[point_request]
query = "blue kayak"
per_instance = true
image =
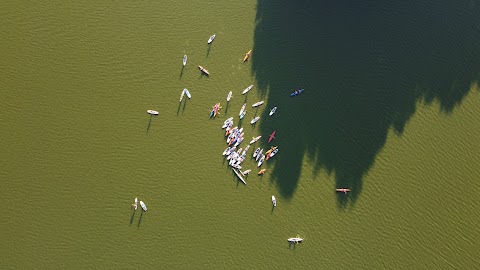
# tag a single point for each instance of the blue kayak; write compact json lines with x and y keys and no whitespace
{"x":297,"y":92}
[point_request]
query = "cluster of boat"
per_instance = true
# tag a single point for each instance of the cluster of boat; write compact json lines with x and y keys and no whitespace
{"x":142,"y":204}
{"x":185,"y":92}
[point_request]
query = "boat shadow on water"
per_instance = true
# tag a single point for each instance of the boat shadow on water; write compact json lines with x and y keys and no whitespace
{"x":149,"y":123}
{"x":181,"y":71}
{"x":140,"y":219}
{"x":362,"y":78}
{"x":132,"y":217}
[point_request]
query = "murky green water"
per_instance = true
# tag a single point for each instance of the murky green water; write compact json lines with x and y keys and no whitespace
{"x":390,"y":110}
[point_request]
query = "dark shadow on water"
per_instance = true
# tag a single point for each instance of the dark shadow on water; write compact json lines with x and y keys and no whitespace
{"x":184,"y":105}
{"x":181,"y":71}
{"x":208,"y":51}
{"x":132,"y":217}
{"x":226,"y":108}
{"x":149,"y":123}
{"x":364,"y":65}
{"x":179,"y":106}
{"x":140,"y":219}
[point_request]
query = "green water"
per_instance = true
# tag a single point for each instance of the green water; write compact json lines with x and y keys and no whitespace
{"x":390,"y":110}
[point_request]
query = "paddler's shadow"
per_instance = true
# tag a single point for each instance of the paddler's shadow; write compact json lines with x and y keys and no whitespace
{"x":226,"y":108}
{"x":178,"y":109}
{"x":140,"y":219}
{"x":184,"y":104}
{"x":273,"y":208}
{"x":149,"y":122}
{"x":132,"y":217}
{"x":181,"y":71}
{"x":291,"y":245}
{"x":208,"y":51}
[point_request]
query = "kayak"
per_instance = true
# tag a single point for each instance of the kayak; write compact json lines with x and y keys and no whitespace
{"x":247,"y":55}
{"x":211,"y":38}
{"x":297,"y":92}
{"x":188,"y":93}
{"x":272,"y":111}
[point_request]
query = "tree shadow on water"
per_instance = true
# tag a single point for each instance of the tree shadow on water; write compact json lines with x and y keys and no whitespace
{"x":364,"y":66}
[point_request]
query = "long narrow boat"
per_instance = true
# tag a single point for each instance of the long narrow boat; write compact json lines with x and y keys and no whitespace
{"x":272,"y":136}
{"x":188,"y":93}
{"x":184,"y":60}
{"x":344,"y":190}
{"x":239,"y":176}
{"x":272,"y":111}
{"x":211,"y":38}
{"x":204,"y":70}
{"x":256,"y":152}
{"x":274,"y":201}
{"x":271,"y":150}
{"x":182,"y":94}
{"x":144,"y":207}
{"x":295,"y":240}
{"x":247,"y":89}
{"x":262,"y":171}
{"x":216,"y":109}
{"x":297,"y":92}
{"x":243,"y":114}
{"x":273,"y":153}
{"x":259,"y":155}
{"x":229,"y":96}
{"x":255,"y":139}
{"x":257,"y":104}
{"x":247,"y":55}
{"x":260,"y":162}
{"x":152,"y":112}
{"x":254,"y":120}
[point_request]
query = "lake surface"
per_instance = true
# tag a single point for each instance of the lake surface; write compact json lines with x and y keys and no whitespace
{"x":390,"y":110}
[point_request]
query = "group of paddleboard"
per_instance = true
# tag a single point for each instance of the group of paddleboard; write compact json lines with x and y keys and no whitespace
{"x":142,"y":204}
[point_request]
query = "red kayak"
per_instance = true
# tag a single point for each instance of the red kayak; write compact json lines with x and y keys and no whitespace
{"x":272,"y":136}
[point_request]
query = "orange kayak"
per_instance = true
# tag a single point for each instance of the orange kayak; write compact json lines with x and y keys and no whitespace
{"x":262,"y":171}
{"x":247,"y":55}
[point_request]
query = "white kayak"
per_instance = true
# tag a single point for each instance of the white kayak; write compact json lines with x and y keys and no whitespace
{"x":229,"y":96}
{"x":135,"y":204}
{"x":247,"y":89}
{"x":184,"y":60}
{"x":255,"y":139}
{"x":243,"y":114}
{"x":211,"y":38}
{"x":259,"y":155}
{"x":254,"y":120}
{"x":152,"y":112}
{"x":272,"y":111}
{"x":274,"y":201}
{"x":187,"y":93}
{"x":246,"y":172}
{"x":182,"y":94}
{"x":242,"y":109}
{"x":256,"y":152}
{"x":144,"y":207}
{"x":260,"y":162}
{"x":257,"y":104}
